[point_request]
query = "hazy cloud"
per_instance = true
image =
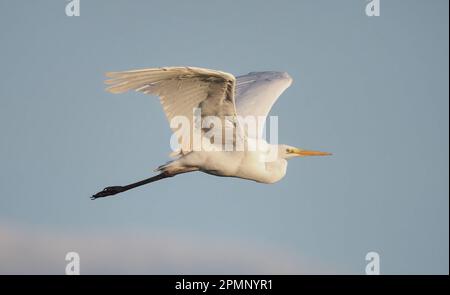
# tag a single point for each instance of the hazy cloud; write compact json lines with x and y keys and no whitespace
{"x":26,"y":251}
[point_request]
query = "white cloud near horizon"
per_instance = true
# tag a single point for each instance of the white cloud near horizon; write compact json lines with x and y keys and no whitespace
{"x":31,"y":251}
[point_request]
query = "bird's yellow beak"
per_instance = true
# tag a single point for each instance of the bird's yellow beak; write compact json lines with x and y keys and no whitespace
{"x":306,"y":153}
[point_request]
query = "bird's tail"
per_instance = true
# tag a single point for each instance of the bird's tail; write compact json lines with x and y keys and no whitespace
{"x":173,"y":168}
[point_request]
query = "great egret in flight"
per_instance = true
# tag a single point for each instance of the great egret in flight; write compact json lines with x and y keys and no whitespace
{"x":220,"y":94}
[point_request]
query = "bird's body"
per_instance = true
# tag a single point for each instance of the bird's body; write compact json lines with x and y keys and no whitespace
{"x":227,"y":100}
{"x":241,"y":164}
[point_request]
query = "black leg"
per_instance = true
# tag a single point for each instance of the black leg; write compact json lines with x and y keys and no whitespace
{"x":112,"y":190}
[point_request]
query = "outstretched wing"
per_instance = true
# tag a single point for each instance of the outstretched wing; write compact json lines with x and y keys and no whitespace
{"x":181,"y":89}
{"x":256,"y":93}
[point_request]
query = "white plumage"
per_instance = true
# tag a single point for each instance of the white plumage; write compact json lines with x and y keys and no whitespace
{"x":218,"y":94}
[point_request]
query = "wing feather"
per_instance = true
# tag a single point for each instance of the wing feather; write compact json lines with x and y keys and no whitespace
{"x":256,"y":93}
{"x":181,"y":89}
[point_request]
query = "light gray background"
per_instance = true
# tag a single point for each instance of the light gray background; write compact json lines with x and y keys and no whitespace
{"x":374,"y":91}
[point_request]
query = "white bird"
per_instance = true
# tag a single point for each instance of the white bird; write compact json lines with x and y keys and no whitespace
{"x":219,"y":94}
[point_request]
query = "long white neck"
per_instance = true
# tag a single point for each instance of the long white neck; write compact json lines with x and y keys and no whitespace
{"x":276,"y":170}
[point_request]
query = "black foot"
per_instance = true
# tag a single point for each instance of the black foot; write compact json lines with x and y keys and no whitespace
{"x":108,"y":191}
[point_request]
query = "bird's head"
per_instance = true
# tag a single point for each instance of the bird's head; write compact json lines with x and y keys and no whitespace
{"x":287,"y":152}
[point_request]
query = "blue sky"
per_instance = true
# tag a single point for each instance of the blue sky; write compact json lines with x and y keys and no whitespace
{"x":374,"y":91}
